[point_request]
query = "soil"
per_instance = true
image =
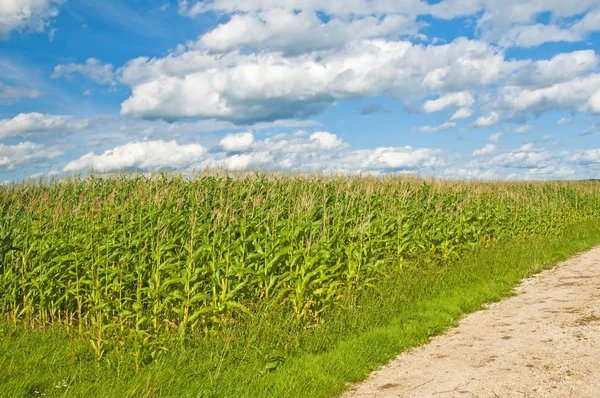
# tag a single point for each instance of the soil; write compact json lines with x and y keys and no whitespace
{"x":542,"y":342}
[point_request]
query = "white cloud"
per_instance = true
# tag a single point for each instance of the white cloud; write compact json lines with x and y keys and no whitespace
{"x":511,"y":22}
{"x":104,"y":130}
{"x":593,"y":129}
{"x":594,"y":103}
{"x":524,"y":129}
{"x":29,"y":123}
{"x":92,"y":68}
{"x":296,"y":32}
{"x":247,"y":88}
{"x":534,"y":35}
{"x":495,"y":137}
{"x":506,"y":11}
{"x":589,"y":23}
{"x":435,"y":129}
{"x":12,"y":94}
{"x":483,"y":65}
{"x":522,"y":158}
{"x":239,"y":161}
{"x":298,"y":151}
{"x":454,"y":100}
{"x":560,"y":68}
{"x":578,"y":94}
{"x":332,"y":7}
{"x":392,"y":159}
{"x":143,"y":155}
{"x":288,"y":73}
{"x":471,"y":174}
{"x":326,"y":140}
{"x":564,"y":120}
{"x":462,"y":113}
{"x":526,"y":147}
{"x":586,"y":157}
{"x":26,"y":15}
{"x":486,"y":150}
{"x":524,"y":163}
{"x":237,"y":142}
{"x":510,"y":11}
{"x":23,"y":153}
{"x":486,"y":121}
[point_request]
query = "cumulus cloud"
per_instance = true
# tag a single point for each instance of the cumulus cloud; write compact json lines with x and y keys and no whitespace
{"x":506,"y":11}
{"x":12,"y":94}
{"x":593,"y":129}
{"x":564,"y":120}
{"x":140,"y":155}
{"x":525,"y":157}
{"x":525,"y":163}
{"x":486,"y":121}
{"x":238,"y":161}
{"x":92,"y":68}
{"x":237,"y":142}
{"x":393,"y":159}
{"x":593,"y":104}
{"x":486,"y":150}
{"x":287,"y":76}
{"x":513,"y":22}
{"x":560,"y":68}
{"x":462,"y":113}
{"x":26,"y":15}
{"x":524,"y":129}
{"x":454,"y":100}
{"x":588,"y":24}
{"x":536,"y":34}
{"x":586,"y":157}
{"x":435,"y":129}
{"x":578,"y":94}
{"x":326,"y":140}
{"x":334,"y":7}
{"x":296,"y":151}
{"x":247,"y":88}
{"x":12,"y":157}
{"x":494,"y":137}
{"x":296,"y":32}
{"x":509,"y":22}
{"x":26,"y":124}
{"x":566,"y":82}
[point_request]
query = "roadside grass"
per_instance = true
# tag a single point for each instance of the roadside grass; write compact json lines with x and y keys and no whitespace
{"x":270,"y":355}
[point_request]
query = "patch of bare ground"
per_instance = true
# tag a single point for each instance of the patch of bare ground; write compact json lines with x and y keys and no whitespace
{"x":542,"y":342}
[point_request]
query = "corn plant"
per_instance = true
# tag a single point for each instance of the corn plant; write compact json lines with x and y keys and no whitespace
{"x":138,"y":261}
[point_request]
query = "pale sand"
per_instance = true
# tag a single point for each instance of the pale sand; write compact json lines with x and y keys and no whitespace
{"x":543,"y":342}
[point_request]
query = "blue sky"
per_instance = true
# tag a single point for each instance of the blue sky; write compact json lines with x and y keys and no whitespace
{"x":486,"y":89}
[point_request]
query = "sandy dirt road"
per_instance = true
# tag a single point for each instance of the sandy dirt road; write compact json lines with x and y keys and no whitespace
{"x":543,"y":342}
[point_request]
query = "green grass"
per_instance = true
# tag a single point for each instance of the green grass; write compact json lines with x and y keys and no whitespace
{"x":418,"y":299}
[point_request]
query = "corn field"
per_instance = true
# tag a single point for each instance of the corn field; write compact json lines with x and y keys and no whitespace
{"x":136,"y":260}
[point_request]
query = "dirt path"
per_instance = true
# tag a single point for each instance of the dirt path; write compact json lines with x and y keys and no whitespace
{"x":544,"y":342}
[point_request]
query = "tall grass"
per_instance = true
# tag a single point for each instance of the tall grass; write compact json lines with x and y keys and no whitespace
{"x":140,"y":263}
